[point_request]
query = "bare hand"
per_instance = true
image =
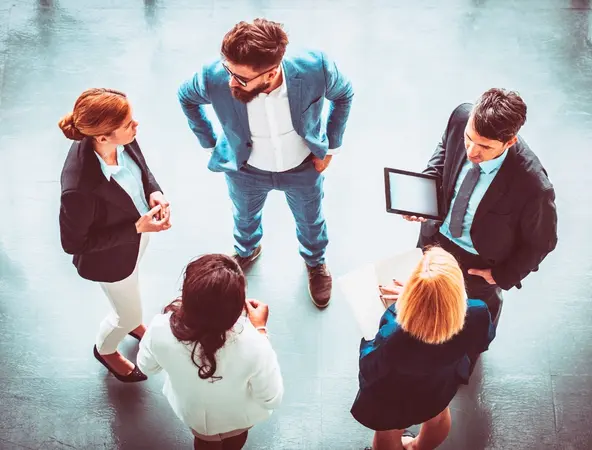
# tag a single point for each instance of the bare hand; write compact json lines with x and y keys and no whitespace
{"x":391,"y":293}
{"x":157,"y":198}
{"x":149,"y":223}
{"x":414,"y":219}
{"x":483,"y":273}
{"x":257,"y":312}
{"x":321,"y":164}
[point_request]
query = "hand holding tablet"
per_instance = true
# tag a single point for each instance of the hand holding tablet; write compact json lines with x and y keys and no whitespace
{"x":414,"y":218}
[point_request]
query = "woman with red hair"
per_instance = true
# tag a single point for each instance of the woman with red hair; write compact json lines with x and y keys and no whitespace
{"x":109,"y":203}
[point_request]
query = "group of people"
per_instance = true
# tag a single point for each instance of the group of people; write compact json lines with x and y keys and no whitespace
{"x":222,"y":374}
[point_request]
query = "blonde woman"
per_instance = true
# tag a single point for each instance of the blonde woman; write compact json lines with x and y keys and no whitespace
{"x":412,"y":369}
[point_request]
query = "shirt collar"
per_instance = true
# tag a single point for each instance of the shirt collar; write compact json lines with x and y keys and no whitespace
{"x":494,"y":164}
{"x":281,"y":90}
{"x":108,"y":170}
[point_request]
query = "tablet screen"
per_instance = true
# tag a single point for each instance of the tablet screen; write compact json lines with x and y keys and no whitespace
{"x":412,"y":193}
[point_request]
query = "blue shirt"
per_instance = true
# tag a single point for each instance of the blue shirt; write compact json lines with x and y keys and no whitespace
{"x":489,"y":169}
{"x":129,"y":176}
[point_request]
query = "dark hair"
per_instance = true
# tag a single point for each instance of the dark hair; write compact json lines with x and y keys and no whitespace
{"x":212,"y":299}
{"x":499,"y":114}
{"x":260,"y":45}
{"x":97,"y":111}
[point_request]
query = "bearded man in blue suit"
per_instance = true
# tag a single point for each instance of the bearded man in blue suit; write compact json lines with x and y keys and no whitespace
{"x":274,"y":136}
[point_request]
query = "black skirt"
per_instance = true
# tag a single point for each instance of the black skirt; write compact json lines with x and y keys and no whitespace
{"x":401,"y":404}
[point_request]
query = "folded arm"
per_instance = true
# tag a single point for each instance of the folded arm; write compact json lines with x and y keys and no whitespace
{"x":77,"y":212}
{"x":538,"y":237}
{"x":340,"y":92}
{"x":193,"y":95}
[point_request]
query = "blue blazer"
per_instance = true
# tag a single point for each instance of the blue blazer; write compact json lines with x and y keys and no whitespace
{"x":404,"y":381}
{"x":310,"y":77}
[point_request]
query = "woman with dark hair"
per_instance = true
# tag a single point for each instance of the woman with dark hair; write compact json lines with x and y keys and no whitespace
{"x":222,"y":375}
{"x":110,"y":202}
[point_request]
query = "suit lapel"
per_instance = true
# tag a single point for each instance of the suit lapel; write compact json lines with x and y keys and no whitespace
{"x":110,"y":191}
{"x":113,"y":193}
{"x":240,"y":109}
{"x":498,"y":186}
{"x":132,"y":150}
{"x":294,"y":87}
{"x":133,"y":154}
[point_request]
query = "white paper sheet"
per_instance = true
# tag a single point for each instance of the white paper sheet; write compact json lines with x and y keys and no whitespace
{"x":360,"y":287}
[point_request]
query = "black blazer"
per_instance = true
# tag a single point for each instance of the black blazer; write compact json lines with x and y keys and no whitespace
{"x":404,"y":381}
{"x":515,"y":225}
{"x":97,"y":217}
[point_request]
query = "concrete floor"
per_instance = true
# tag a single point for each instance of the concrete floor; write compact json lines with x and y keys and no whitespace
{"x":411,"y":63}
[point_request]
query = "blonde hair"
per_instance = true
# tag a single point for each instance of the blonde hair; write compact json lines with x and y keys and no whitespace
{"x":433,"y":304}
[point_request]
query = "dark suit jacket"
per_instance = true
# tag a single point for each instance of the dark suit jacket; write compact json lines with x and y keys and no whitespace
{"x":97,"y":217}
{"x":404,"y":381}
{"x":515,"y":225}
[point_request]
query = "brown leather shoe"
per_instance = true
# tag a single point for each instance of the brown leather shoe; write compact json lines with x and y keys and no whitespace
{"x":320,"y":284}
{"x":247,"y":261}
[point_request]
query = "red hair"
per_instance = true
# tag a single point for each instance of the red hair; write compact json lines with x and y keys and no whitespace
{"x":97,"y":112}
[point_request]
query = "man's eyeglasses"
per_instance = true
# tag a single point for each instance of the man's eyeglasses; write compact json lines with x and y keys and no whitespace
{"x":242,"y":81}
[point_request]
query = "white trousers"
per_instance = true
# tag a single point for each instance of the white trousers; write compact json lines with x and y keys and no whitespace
{"x":126,"y":305}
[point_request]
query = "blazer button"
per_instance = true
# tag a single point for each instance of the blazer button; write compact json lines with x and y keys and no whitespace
{"x":249,"y":144}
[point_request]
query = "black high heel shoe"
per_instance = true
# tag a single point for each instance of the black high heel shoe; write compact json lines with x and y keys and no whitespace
{"x":134,"y":376}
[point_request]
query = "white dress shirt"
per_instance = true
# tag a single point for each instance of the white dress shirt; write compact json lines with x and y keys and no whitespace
{"x":251,"y":384}
{"x":129,"y":176}
{"x":276,"y":145}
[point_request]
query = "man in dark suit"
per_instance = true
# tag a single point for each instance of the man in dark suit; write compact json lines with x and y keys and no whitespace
{"x":499,"y":205}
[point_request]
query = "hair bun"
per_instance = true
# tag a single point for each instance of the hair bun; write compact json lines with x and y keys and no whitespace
{"x":69,"y":129}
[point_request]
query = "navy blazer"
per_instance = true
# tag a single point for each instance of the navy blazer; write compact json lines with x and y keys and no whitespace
{"x":310,"y":77}
{"x":404,"y":380}
{"x":97,"y":217}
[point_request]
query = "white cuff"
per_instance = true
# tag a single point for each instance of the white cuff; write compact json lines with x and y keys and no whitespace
{"x":263,"y":329}
{"x":209,"y":150}
{"x":334,"y":151}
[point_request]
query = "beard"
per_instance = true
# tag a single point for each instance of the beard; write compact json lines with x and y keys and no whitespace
{"x":246,"y":96}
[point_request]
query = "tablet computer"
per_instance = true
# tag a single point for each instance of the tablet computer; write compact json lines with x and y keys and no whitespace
{"x":413,"y":194}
